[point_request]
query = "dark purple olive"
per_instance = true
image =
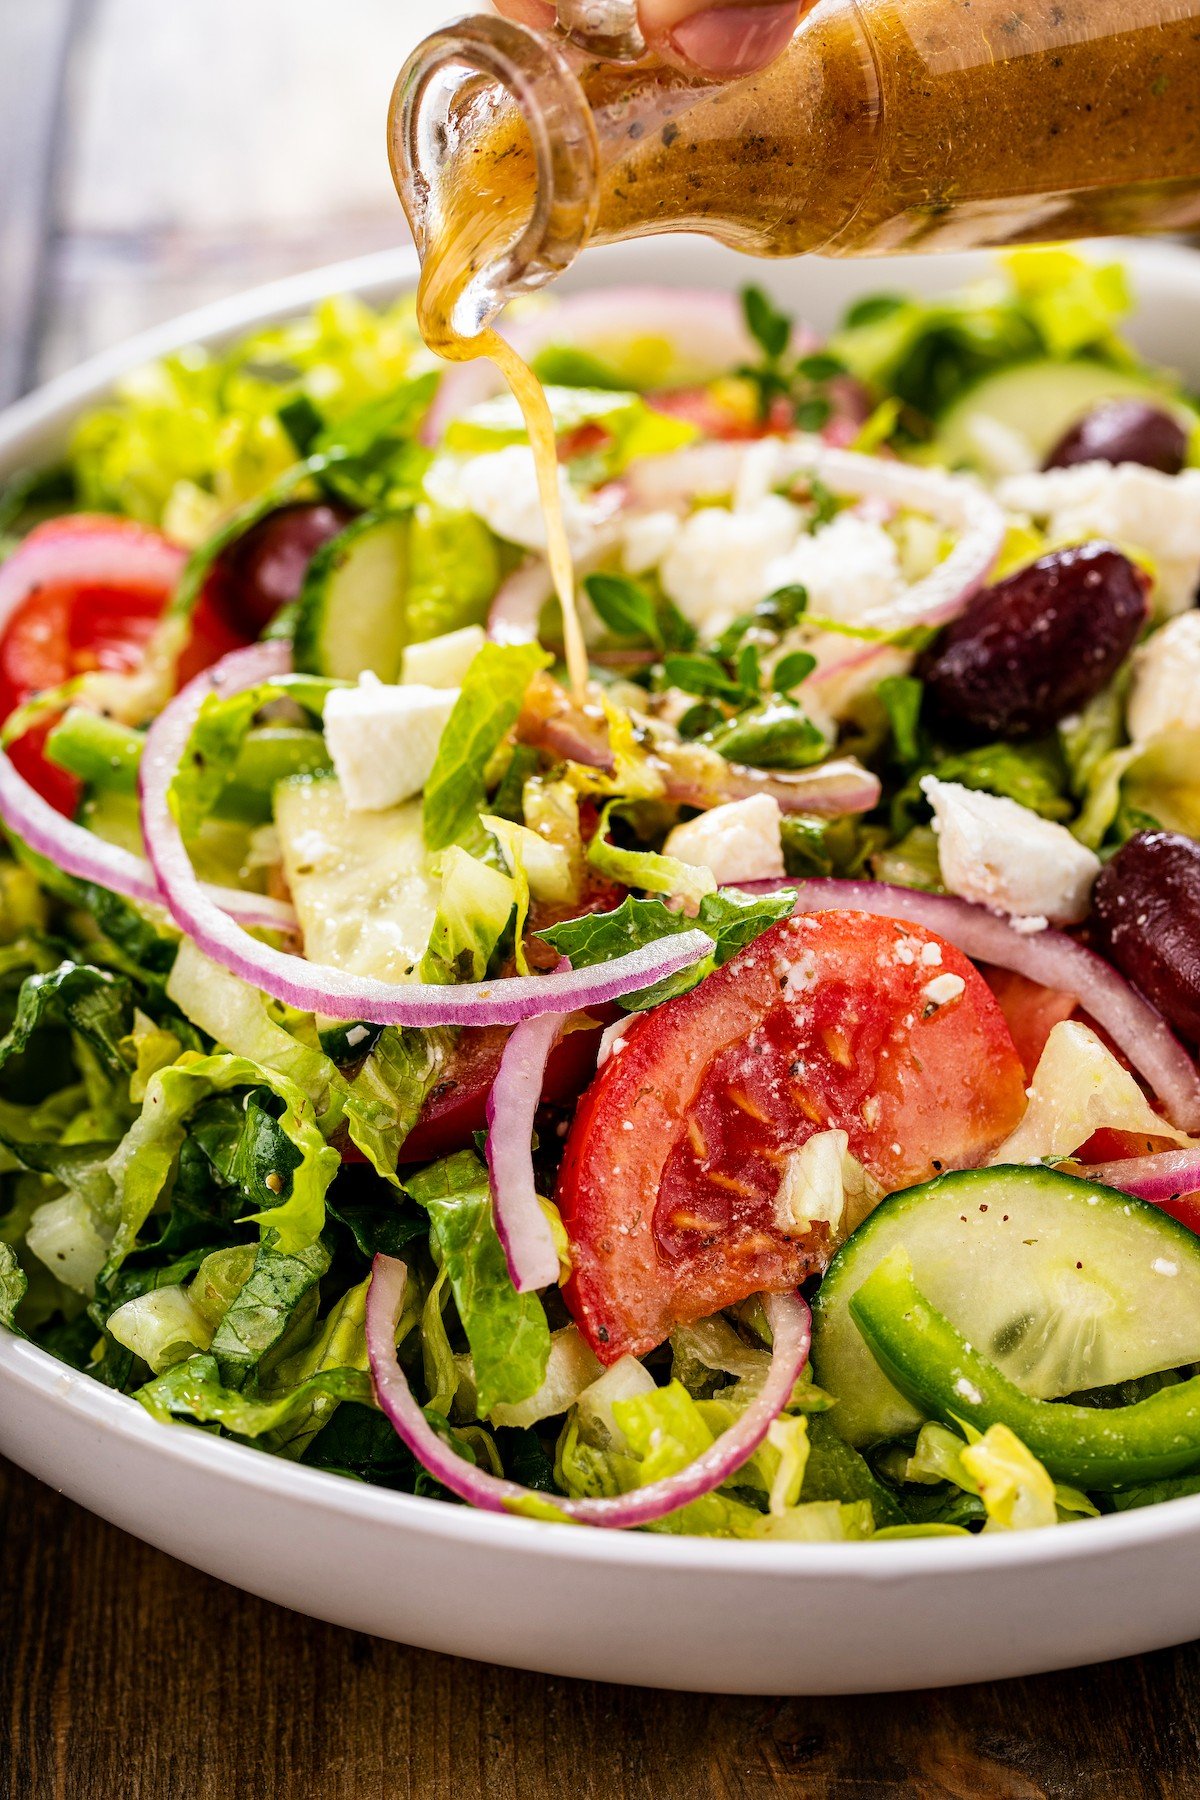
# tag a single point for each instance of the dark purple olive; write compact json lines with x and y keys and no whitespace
{"x":1146,"y":915}
{"x":264,"y":569}
{"x":1123,"y":431}
{"x":1038,"y":645}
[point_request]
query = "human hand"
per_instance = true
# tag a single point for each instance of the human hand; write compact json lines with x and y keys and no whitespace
{"x":723,"y":41}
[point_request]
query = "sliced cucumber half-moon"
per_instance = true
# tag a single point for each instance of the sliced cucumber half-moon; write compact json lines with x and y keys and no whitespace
{"x":1063,"y":1284}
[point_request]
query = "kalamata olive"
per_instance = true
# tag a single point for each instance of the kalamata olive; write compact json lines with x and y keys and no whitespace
{"x":1123,"y":431}
{"x":264,"y":569}
{"x":1146,"y":915}
{"x":1038,"y":645}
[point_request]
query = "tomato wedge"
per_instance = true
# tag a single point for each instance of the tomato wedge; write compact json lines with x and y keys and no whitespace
{"x":456,"y":1107}
{"x":98,"y":587}
{"x":678,"y":1149}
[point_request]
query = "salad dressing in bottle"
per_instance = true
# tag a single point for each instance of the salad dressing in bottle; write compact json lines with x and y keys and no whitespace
{"x":887,"y":125}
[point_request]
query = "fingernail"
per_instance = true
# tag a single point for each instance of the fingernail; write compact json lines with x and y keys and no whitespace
{"x":734,"y":40}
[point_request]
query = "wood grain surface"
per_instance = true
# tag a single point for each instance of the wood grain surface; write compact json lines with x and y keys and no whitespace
{"x":155,"y":153}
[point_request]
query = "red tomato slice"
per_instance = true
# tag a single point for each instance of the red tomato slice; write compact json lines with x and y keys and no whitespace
{"x":679,"y":1146}
{"x":1032,"y":1011}
{"x":66,"y":628}
{"x":1186,"y":1209}
{"x":457,"y":1104}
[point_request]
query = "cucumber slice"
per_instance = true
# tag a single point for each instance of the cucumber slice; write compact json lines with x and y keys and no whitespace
{"x":360,"y":882}
{"x":352,"y":614}
{"x":1039,"y":401}
{"x":1063,"y":1284}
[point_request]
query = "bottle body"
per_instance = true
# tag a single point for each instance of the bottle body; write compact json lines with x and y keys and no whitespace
{"x":888,"y":125}
{"x":901,"y":125}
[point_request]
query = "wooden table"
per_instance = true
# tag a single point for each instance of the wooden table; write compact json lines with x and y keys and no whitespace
{"x":154,"y":153}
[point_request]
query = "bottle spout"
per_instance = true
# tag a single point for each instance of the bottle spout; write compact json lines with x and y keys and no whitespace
{"x":495,"y":158}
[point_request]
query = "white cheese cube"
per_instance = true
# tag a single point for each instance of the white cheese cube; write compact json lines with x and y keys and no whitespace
{"x":1166,"y":681}
{"x":740,"y":841}
{"x":441,"y":662}
{"x":383,"y":739}
{"x":999,"y":854}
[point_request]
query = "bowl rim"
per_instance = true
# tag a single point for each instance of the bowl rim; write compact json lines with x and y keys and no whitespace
{"x":66,"y":1391}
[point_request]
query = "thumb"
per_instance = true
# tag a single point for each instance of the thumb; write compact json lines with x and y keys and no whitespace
{"x":725,"y":41}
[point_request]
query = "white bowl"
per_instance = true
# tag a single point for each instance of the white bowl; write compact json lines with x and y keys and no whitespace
{"x":669,"y":1612}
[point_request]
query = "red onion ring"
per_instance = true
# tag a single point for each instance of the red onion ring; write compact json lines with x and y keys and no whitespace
{"x":512,"y":1104}
{"x":100,"y":552}
{"x":1049,"y":957}
{"x":1167,"y":1175}
{"x":317,"y":987}
{"x":714,"y":468}
{"x":831,"y":789}
{"x":791,"y":1327}
{"x":517,"y":607}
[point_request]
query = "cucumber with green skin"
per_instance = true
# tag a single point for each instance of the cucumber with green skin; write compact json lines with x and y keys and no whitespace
{"x":1040,"y":400}
{"x":352,"y":615}
{"x":1092,"y":1447}
{"x":1062,"y":1284}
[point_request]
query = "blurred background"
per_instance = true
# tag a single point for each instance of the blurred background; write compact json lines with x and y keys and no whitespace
{"x":158,"y":153}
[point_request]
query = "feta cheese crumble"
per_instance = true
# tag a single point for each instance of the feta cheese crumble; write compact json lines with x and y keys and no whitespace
{"x":1001,"y":855}
{"x":501,"y":489}
{"x":739,"y":841}
{"x":383,"y":739}
{"x":1127,"y":503}
{"x":851,"y":568}
{"x":1166,"y":681}
{"x":717,"y":567}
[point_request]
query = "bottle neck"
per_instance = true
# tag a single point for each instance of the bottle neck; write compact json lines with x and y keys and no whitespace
{"x":511,"y":151}
{"x":496,"y":161}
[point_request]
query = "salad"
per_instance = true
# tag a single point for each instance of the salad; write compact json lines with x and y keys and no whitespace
{"x":755,"y":1096}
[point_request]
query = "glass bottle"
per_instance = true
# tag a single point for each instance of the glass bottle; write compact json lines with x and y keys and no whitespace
{"x":887,"y":125}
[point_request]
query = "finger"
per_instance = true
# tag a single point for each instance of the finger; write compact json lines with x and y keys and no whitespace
{"x":720,"y":41}
{"x":538,"y":14}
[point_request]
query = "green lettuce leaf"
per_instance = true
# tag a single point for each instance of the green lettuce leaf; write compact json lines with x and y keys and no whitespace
{"x":339,"y":1344}
{"x":649,"y":870}
{"x":278,"y":1304}
{"x":473,"y":913}
{"x":143,"y":1163}
{"x":188,"y":440}
{"x":13,"y":1285}
{"x":507,"y":1332}
{"x":219,"y":735}
{"x":484,"y":713}
{"x":194,"y":1390}
{"x":384,"y":1100}
{"x":731,"y":919}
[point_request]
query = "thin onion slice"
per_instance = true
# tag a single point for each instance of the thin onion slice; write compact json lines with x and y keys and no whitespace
{"x":1049,"y":957}
{"x":318,"y":987}
{"x":693,"y":774}
{"x":517,"y":607}
{"x":521,"y":1225}
{"x":1168,"y":1175}
{"x":957,"y":503}
{"x":100,"y":552}
{"x":791,"y":1328}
